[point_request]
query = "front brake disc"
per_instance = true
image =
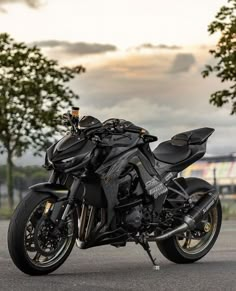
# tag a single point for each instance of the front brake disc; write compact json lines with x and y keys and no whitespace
{"x":46,"y":243}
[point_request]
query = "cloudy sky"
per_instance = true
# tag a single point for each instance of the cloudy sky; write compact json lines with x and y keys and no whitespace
{"x":143,"y":58}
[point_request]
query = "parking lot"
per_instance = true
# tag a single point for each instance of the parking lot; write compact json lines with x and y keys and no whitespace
{"x":109,"y":268}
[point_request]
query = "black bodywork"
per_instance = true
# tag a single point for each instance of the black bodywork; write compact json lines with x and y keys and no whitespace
{"x":183,"y":149}
{"x":99,"y":163}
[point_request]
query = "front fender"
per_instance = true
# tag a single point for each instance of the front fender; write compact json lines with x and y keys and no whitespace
{"x":56,"y":190}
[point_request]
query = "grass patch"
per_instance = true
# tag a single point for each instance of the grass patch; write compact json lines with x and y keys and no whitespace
{"x":5,"y":213}
{"x":229,"y":209}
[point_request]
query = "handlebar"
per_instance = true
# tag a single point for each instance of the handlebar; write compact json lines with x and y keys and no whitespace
{"x":111,"y":126}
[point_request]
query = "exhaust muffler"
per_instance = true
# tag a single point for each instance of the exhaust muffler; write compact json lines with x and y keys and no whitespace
{"x":195,"y":215}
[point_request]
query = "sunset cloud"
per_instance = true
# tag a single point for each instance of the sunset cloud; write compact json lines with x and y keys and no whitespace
{"x":158,"y":88}
{"x":143,"y":62}
{"x":182,"y":63}
{"x":30,"y":3}
{"x":79,"y":48}
{"x":159,"y":46}
{"x":140,"y":88}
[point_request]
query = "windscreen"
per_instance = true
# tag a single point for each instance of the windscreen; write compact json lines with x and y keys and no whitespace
{"x":89,"y":121}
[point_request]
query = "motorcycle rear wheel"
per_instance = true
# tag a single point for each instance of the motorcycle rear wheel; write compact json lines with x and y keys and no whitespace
{"x":27,"y":225}
{"x":185,"y":248}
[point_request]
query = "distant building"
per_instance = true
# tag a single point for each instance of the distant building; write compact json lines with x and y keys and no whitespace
{"x":217,"y":169}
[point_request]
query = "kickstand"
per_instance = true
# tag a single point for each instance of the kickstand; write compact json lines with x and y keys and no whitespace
{"x":142,"y":240}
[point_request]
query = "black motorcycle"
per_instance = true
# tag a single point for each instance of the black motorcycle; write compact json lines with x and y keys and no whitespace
{"x":108,"y":187}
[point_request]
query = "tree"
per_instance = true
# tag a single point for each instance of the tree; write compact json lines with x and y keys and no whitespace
{"x":33,"y":93}
{"x":225,"y":54}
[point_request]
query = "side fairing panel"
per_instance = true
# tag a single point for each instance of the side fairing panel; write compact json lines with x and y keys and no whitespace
{"x":109,"y":174}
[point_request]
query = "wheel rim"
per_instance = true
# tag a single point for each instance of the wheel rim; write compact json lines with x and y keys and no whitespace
{"x":31,"y":248}
{"x":191,"y":243}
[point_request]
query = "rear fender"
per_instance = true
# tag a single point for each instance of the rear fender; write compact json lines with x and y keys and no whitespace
{"x":196,"y":184}
{"x":191,"y":185}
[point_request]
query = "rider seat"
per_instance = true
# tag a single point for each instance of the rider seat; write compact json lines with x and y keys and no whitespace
{"x":178,"y":148}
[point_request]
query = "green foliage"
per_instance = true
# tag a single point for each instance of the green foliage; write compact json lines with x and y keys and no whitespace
{"x":229,"y":209}
{"x":225,"y":54}
{"x":32,"y":95}
{"x":25,"y":177}
{"x":5,"y":213}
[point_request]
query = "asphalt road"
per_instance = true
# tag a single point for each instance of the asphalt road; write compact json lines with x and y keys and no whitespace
{"x":109,"y":268}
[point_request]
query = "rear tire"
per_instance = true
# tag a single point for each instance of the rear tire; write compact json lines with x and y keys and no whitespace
{"x":173,"y":251}
{"x":17,"y":236}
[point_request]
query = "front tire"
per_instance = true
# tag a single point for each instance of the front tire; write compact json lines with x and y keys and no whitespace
{"x":22,"y":244}
{"x":179,"y":249}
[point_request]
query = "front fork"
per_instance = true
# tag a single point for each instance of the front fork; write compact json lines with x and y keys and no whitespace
{"x":63,"y":206}
{"x":71,"y":202}
{"x":86,"y":214}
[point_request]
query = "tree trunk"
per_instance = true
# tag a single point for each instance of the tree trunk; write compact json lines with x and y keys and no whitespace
{"x":0,"y":195}
{"x":20,"y":195}
{"x":10,"y":180}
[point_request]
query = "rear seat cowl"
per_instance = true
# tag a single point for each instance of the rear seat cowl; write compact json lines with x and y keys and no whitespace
{"x":196,"y":136}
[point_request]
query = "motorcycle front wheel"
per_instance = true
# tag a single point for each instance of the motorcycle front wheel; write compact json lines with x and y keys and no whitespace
{"x":34,"y":245}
